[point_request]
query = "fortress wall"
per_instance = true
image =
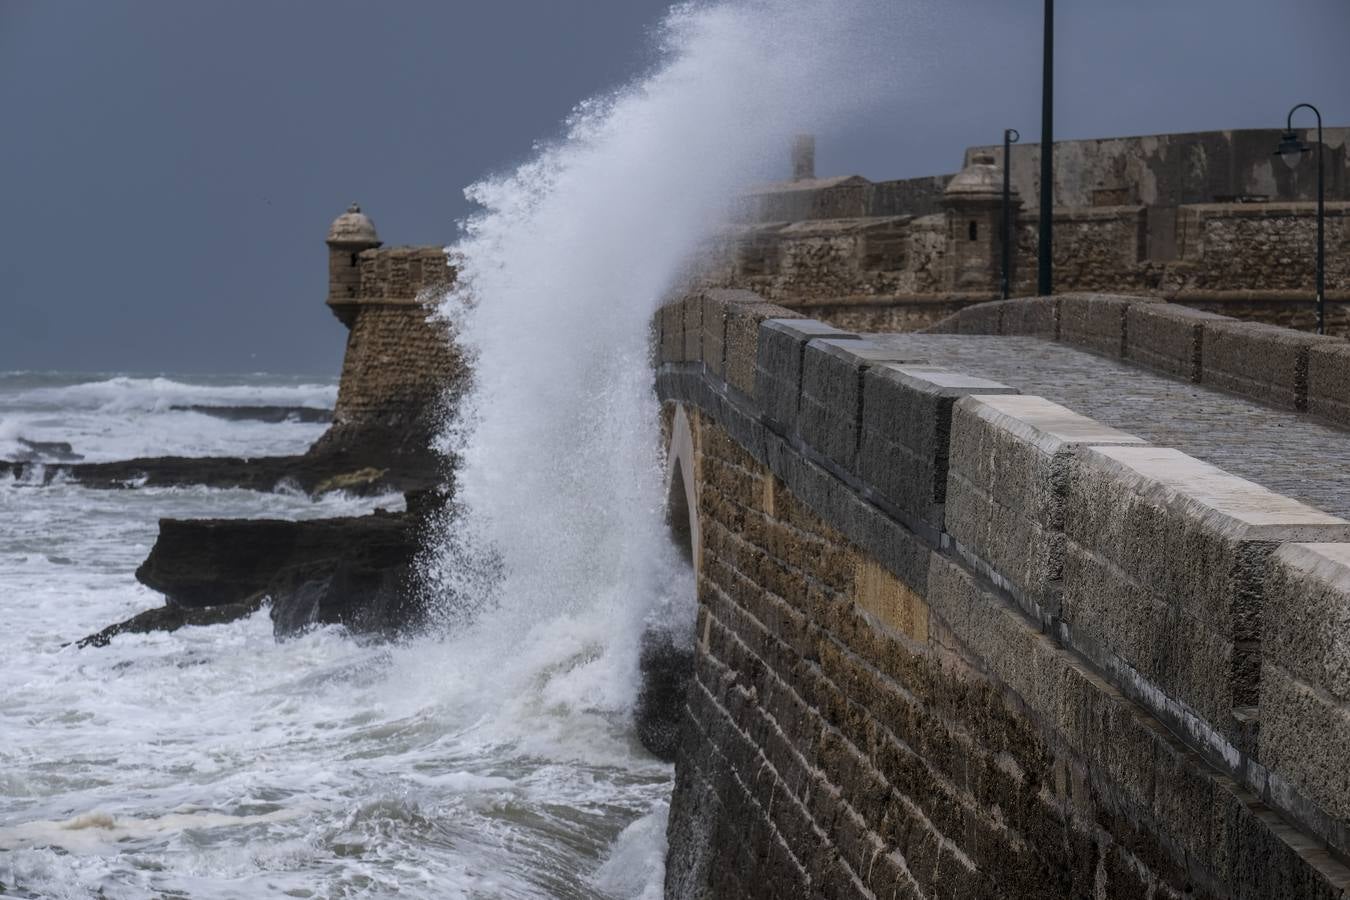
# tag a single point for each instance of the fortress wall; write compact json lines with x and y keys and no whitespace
{"x":1251,"y":261}
{"x":400,"y":362}
{"x":948,"y":635}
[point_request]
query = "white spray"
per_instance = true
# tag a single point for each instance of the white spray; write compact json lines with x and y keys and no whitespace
{"x":559,"y":278}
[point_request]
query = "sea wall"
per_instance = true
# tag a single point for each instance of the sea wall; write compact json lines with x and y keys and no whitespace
{"x":957,"y":641}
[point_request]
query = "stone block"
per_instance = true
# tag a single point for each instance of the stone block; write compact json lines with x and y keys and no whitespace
{"x":1329,"y":381}
{"x":1096,"y":321}
{"x":1306,"y":615}
{"x":1164,"y":571}
{"x":672,"y":332}
{"x":778,"y":365}
{"x":714,"y":323}
{"x":906,"y":434}
{"x":1259,"y":361}
{"x":831,"y":393}
{"x":1032,"y":317}
{"x":741,"y":350}
{"x":1166,"y":337}
{"x":1007,"y":479}
{"x":693,"y":328}
{"x":1305,"y":740}
{"x":982,"y":318}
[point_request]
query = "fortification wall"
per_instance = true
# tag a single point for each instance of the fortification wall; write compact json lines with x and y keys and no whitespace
{"x":958,"y":641}
{"x":1253,"y":261}
{"x":400,"y":360}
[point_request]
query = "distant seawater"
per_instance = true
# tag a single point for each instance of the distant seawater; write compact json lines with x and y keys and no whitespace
{"x":216,"y":762}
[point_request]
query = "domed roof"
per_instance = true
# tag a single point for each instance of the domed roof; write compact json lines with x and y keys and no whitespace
{"x":980,"y":178}
{"x":353,"y":227}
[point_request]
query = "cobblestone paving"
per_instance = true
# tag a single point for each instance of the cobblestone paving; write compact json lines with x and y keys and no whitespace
{"x":1284,"y":451}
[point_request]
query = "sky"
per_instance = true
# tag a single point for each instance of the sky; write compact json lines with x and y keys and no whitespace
{"x":168,"y":169}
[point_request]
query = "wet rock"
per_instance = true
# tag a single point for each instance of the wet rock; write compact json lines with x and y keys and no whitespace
{"x":272,"y":414}
{"x":172,"y":618}
{"x":356,"y":571}
{"x":363,"y":468}
{"x":49,"y":451}
{"x":665,"y":666}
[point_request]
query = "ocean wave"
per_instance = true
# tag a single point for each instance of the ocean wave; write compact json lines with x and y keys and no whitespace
{"x":127,"y":393}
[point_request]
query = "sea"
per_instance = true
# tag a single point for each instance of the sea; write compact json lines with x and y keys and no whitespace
{"x":492,"y":756}
{"x":220,"y":762}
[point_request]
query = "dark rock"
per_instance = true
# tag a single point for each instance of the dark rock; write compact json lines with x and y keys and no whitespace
{"x":48,"y":451}
{"x":172,"y":618}
{"x":356,"y":571}
{"x":364,"y":467}
{"x":272,"y":414}
{"x":665,"y":667}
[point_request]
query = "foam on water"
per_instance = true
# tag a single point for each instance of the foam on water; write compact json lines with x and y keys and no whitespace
{"x":112,"y":417}
{"x":496,"y":759}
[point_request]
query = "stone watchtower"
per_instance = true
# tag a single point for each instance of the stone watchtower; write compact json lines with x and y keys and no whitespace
{"x":973,"y":201}
{"x":349,"y":234}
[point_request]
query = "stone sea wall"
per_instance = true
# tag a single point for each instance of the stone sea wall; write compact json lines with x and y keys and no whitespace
{"x":956,"y":641}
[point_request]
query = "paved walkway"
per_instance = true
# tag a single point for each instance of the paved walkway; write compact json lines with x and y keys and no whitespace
{"x":1284,"y":451}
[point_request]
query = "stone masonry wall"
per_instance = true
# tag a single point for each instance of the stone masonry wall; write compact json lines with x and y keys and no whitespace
{"x":954,"y":641}
{"x":400,"y":361}
{"x":1252,"y":260}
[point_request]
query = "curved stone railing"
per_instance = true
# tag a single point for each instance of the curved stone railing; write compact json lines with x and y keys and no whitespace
{"x":1289,"y":369}
{"x":959,"y":641}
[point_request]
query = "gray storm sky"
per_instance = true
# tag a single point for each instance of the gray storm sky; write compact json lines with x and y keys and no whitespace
{"x":168,"y":169}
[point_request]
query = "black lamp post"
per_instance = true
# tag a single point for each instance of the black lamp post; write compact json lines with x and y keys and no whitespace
{"x":1291,"y":149}
{"x":1010,"y":137}
{"x":1044,"y":277}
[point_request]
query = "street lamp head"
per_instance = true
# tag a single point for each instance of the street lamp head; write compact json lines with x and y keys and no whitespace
{"x":1291,"y":149}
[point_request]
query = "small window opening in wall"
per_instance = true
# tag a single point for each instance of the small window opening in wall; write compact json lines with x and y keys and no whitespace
{"x":974,"y":230}
{"x":355,"y":260}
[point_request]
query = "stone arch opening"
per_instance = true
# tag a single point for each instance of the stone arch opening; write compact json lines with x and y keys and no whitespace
{"x":681,"y":486}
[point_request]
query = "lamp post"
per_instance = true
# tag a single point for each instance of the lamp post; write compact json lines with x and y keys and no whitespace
{"x":1291,"y":149}
{"x":1010,"y":137}
{"x":1044,"y":278}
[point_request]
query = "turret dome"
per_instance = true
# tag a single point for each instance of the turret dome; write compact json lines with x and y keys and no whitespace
{"x":353,"y":228}
{"x":980,"y":178}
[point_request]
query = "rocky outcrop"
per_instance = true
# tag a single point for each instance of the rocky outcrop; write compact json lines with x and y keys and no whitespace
{"x":172,"y":618}
{"x":372,"y":461}
{"x":272,"y":414}
{"x":355,"y":571}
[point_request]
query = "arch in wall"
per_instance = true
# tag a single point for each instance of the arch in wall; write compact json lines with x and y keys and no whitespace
{"x":681,"y":488}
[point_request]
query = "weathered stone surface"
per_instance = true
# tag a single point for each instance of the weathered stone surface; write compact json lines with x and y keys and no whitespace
{"x":693,"y":328}
{"x":1262,"y":362}
{"x":741,"y":352}
{"x":831,"y":394}
{"x":355,"y":571}
{"x":672,"y":332}
{"x":1306,"y":615}
{"x":906,"y":433}
{"x":778,"y":365}
{"x":1305,"y":738}
{"x":1329,"y":381}
{"x":1166,"y":558}
{"x":1032,"y":316}
{"x":1166,"y":337}
{"x":1096,"y":321}
{"x":665,"y":667}
{"x":1006,"y":485}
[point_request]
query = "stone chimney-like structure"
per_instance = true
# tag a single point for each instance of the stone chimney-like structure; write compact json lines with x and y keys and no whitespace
{"x":349,"y":234}
{"x":804,"y":157}
{"x":973,"y":201}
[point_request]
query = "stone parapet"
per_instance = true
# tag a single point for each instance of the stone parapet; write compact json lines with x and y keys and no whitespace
{"x":954,"y":639}
{"x":1289,"y":369}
